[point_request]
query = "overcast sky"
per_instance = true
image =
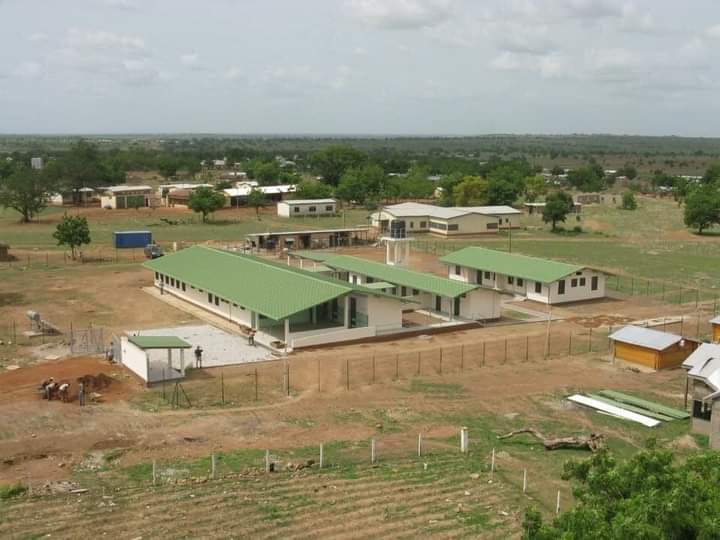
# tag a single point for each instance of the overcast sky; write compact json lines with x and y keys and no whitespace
{"x":360,"y":66}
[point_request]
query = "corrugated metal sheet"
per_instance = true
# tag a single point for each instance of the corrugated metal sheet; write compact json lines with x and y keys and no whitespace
{"x":511,"y":264}
{"x":613,"y":410}
{"x":645,"y":337}
{"x":704,"y":364}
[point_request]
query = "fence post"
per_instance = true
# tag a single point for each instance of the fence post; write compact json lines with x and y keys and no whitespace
{"x":464,"y":446}
{"x":462,"y":357}
{"x":590,"y":340}
{"x":419,"y":445}
{"x":524,"y":480}
{"x":222,"y":390}
{"x":256,"y":384}
{"x":154,"y":472}
{"x":322,"y":456}
{"x":441,"y":352}
{"x":557,"y":504}
{"x":682,"y":321}
{"x":347,"y":374}
{"x":373,"y":454}
{"x":419,"y":355}
{"x":14,"y":333}
{"x":212,"y":466}
{"x":570,"y":343}
{"x":483,"y":354}
{"x":373,"y":368}
{"x":397,"y":366}
{"x":505,"y":360}
{"x":492,"y":465}
{"x":527,"y":347}
{"x":267,"y":461}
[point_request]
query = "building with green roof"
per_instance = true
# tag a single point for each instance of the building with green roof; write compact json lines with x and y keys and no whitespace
{"x":288,"y":307}
{"x":446,"y":297}
{"x":542,"y":280}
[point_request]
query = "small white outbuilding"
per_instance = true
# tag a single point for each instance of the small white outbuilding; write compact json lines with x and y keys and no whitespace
{"x":306,"y":207}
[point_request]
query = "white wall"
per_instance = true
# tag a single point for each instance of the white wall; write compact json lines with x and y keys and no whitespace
{"x":285,"y":209}
{"x":481,"y":304}
{"x":509,"y":221}
{"x":107,"y":201}
{"x":384,"y":312}
{"x":134,"y":359}
{"x":329,"y":335}
{"x":578,"y":293}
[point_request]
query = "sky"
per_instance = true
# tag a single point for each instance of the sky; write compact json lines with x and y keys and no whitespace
{"x":415,"y":67}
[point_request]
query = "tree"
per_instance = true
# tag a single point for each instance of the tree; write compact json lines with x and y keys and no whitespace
{"x":557,"y":170}
{"x":168,"y":167}
{"x":267,"y":172}
{"x":257,"y":199}
{"x":83,"y":166}
{"x":647,"y":496}
{"x":628,"y":201}
{"x":25,"y":190}
{"x":629,"y":171}
{"x":448,"y":183}
{"x":712,"y":174}
{"x":312,"y":189}
{"x":557,"y":206}
{"x":587,"y":178}
{"x":332,"y":162}
{"x":534,"y":187}
{"x":472,"y":191}
{"x":206,"y":200}
{"x":415,"y":184}
{"x":72,"y":231}
{"x":360,"y":184}
{"x":702,"y":208}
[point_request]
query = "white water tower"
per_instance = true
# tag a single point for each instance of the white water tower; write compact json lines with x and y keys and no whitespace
{"x":397,"y":244}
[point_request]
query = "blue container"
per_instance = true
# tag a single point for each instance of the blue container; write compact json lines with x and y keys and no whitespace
{"x":131,"y":239}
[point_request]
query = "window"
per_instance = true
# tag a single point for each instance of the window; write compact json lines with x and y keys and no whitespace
{"x":519,"y":282}
{"x":578,"y":273}
{"x":487,"y":275}
{"x":217,"y":301}
{"x":415,"y":292}
{"x":510,"y":280}
{"x":491,"y":226}
{"x":403,"y":291}
{"x":458,"y":270}
{"x":412,"y":224}
{"x":507,"y":220}
{"x":157,"y":276}
{"x":582,"y":282}
{"x":312,"y":209}
{"x":594,"y":283}
{"x":454,"y":227}
{"x":329,"y":208}
{"x":183,"y":286}
{"x":538,"y":287}
{"x":573,"y":282}
{"x":437,"y":225}
{"x":209,"y":298}
{"x":701,"y":410}
{"x":478,"y":277}
{"x":423,"y":224}
{"x":166,"y":279}
{"x":296,"y":208}
{"x":561,"y":286}
{"x":369,"y":280}
{"x":234,"y":304}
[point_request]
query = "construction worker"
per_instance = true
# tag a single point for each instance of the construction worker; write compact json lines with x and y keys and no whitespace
{"x":50,"y":389}
{"x":81,"y":394}
{"x":251,"y":337}
{"x":198,"y":356}
{"x":44,"y":387}
{"x":63,"y":391}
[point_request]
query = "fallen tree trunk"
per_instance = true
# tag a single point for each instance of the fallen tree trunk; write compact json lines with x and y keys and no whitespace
{"x":592,"y":442}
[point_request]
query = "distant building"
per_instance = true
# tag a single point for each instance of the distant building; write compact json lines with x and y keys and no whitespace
{"x":116,"y":197}
{"x":650,"y":348}
{"x":36,"y":163}
{"x":703,"y":367}
{"x":306,"y":207}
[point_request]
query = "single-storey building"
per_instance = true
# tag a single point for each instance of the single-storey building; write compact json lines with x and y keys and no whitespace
{"x":715,"y":324}
{"x":288,"y":307}
{"x":608,"y":199}
{"x":238,"y":196}
{"x":650,"y":348}
{"x":126,"y":197}
{"x":443,"y":221}
{"x":177,"y":194}
{"x":541,"y":280}
{"x":438,"y":295}
{"x":703,"y":367}
{"x":536,"y":208}
{"x":309,"y":239}
{"x":306,"y":207}
{"x":151,"y":357}
{"x":84,"y":196}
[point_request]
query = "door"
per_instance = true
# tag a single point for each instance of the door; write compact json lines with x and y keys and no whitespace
{"x":438,"y":303}
{"x":353,"y":312}
{"x":594,"y":283}
{"x":478,"y":277}
{"x":561,"y":286}
{"x":456,"y":306}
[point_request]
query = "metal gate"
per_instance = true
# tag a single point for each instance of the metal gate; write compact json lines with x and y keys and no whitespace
{"x":87,"y":341}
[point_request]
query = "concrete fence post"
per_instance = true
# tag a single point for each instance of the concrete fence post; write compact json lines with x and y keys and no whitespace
{"x":462,"y":357}
{"x":267,"y":461}
{"x":492,"y":465}
{"x":154,"y":472}
{"x":322,"y":456}
{"x":397,"y":366}
{"x":557,"y":503}
{"x":419,"y":445}
{"x":213,"y":466}
{"x":373,"y":451}
{"x":464,"y":441}
{"x":524,"y":480}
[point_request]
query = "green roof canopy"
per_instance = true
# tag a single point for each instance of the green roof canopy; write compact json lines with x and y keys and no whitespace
{"x":312,"y":255}
{"x":511,"y":264}
{"x":266,"y":287}
{"x":401,"y":276}
{"x":159,"y":342}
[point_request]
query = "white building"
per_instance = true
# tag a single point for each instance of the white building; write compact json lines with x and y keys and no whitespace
{"x":541,"y":280}
{"x":36,"y":163}
{"x":306,"y":207}
{"x":126,"y":197}
{"x":237,"y":196}
{"x":703,"y":367}
{"x":446,"y":221}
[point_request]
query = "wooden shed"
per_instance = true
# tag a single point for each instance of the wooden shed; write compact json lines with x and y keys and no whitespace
{"x":650,"y":348}
{"x":715,"y":323}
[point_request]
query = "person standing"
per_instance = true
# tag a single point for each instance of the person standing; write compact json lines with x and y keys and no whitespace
{"x":81,"y":394}
{"x":198,"y":356}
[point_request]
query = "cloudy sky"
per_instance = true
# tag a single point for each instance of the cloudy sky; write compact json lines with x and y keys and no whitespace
{"x":360,"y":66}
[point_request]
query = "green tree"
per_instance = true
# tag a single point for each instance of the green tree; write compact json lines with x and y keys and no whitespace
{"x":205,"y":200}
{"x":587,"y":178}
{"x":702,"y":208}
{"x":628,"y":201}
{"x":332,"y":162}
{"x":448,"y":183}
{"x":25,"y":190}
{"x":415,"y":184}
{"x":83,"y":166}
{"x":168,"y":167}
{"x":712,"y":174}
{"x":535,"y":187}
{"x":72,"y":231}
{"x":257,"y":199}
{"x":472,"y":191}
{"x":648,"y":496}
{"x":557,"y":206}
{"x":557,"y":170}
{"x":312,"y":189}
{"x":360,"y":184}
{"x":267,"y":172}
{"x":628,"y":170}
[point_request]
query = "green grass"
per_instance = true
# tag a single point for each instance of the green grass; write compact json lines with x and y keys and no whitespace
{"x":9,"y":491}
{"x":442,"y":390}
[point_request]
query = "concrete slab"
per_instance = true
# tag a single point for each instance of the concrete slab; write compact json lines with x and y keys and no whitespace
{"x":220,"y":348}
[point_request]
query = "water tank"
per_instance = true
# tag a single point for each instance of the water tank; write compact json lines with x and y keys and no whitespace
{"x":397,"y":229}
{"x":131,"y":239}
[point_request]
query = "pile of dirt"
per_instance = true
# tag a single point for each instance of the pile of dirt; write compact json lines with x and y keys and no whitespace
{"x":95,"y":382}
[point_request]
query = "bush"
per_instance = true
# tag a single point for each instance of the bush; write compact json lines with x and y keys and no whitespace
{"x":9,"y":491}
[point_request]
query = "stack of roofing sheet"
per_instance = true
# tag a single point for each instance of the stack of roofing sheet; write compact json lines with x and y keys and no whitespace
{"x":628,"y":407}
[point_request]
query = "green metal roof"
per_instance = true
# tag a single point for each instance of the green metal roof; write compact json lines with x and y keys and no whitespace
{"x":511,"y":264}
{"x":159,"y":342}
{"x":312,"y":255}
{"x":270,"y":288}
{"x":401,"y":276}
{"x":317,"y":268}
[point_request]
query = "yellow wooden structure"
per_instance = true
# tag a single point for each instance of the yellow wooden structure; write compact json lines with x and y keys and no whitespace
{"x":650,"y":348}
{"x":715,"y":323}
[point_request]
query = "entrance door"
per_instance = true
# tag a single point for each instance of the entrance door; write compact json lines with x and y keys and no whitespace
{"x":353,"y":312}
{"x":478,"y":277}
{"x":438,"y":303}
{"x":456,"y":306}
